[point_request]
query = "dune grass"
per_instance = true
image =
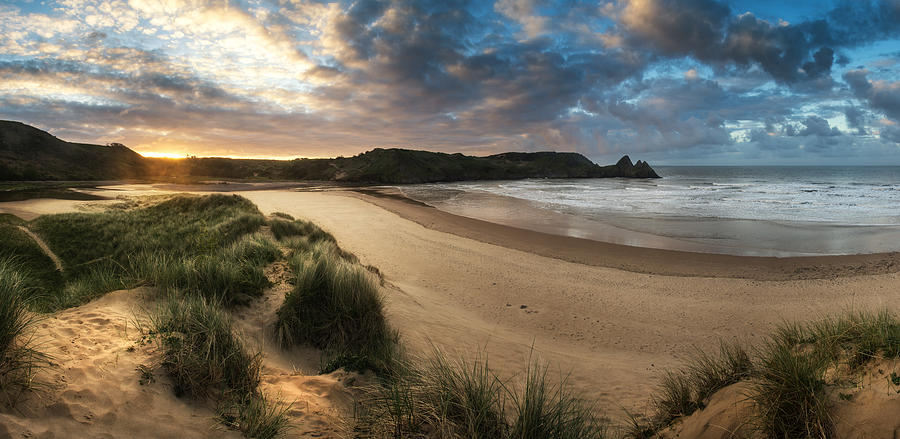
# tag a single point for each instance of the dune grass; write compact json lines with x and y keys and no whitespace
{"x":283,"y":228}
{"x":440,"y":397}
{"x":183,"y":225}
{"x":202,"y":353}
{"x":206,"y":359}
{"x":29,"y":257}
{"x":789,"y":392}
{"x":788,"y":375}
{"x":198,"y":244}
{"x":19,"y":358}
{"x":256,"y":416}
{"x":547,"y":410}
{"x":218,"y":277}
{"x":335,"y":306}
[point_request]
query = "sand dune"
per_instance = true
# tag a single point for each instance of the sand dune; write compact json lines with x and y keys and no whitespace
{"x":94,"y":388}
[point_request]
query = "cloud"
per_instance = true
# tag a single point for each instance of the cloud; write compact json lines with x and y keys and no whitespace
{"x":298,"y":77}
{"x":817,"y":126}
{"x":707,"y":30}
{"x":856,"y":118}
{"x":881,"y":95}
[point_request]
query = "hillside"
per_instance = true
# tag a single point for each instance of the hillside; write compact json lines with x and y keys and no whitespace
{"x":27,"y":153}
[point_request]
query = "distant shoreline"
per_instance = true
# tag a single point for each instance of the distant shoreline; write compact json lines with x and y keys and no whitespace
{"x":630,"y":258}
{"x":579,"y":250}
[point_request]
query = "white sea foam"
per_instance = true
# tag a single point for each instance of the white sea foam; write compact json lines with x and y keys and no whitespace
{"x":833,"y":197}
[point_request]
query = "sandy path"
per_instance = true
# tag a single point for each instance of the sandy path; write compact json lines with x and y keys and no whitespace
{"x":43,"y":245}
{"x":319,"y":402}
{"x":614,"y":330}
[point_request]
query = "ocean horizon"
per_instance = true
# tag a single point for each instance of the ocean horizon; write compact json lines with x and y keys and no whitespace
{"x":741,"y":210}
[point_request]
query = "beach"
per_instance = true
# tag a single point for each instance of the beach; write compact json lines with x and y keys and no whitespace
{"x":612,"y":331}
{"x":610,"y":319}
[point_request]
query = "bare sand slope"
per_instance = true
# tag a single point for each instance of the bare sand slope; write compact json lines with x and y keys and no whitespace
{"x":615,"y":331}
{"x":94,"y":389}
{"x":867,"y":407}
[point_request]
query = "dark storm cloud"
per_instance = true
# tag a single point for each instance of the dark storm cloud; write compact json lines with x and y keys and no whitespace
{"x":435,"y":57}
{"x":881,"y":95}
{"x":708,"y":30}
{"x":857,"y":119}
{"x":817,"y":126}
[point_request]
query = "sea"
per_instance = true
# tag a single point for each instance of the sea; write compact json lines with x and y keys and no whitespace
{"x":760,"y":211}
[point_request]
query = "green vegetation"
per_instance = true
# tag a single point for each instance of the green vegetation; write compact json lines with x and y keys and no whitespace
{"x":14,"y":243}
{"x":179,"y":225}
{"x":545,"y":410}
{"x":201,"y":245}
{"x":205,"y":358}
{"x":202,"y":353}
{"x":789,"y":391}
{"x":789,"y":379}
{"x":19,"y":360}
{"x":461,"y":399}
{"x":335,"y":306}
{"x":285,"y":228}
{"x":684,"y":391}
{"x":201,"y":253}
{"x":256,"y":416}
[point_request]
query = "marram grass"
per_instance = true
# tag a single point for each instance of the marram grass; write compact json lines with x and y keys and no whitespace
{"x":19,"y":358}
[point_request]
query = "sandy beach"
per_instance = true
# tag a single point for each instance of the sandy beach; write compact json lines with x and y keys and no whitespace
{"x":611,"y":318}
{"x":613,"y":330}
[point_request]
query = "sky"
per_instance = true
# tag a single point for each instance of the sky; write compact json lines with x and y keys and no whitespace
{"x":679,"y":82}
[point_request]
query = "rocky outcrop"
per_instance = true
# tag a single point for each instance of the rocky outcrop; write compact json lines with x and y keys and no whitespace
{"x":640,"y":169}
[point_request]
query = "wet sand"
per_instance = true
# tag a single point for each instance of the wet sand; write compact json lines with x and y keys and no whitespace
{"x":632,"y":258}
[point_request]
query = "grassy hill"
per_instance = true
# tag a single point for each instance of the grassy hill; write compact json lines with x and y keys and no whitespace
{"x":27,"y":153}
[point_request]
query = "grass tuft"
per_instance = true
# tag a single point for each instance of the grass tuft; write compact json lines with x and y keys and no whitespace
{"x":789,"y":392}
{"x":335,"y":306}
{"x":465,"y":399}
{"x":19,"y":360}
{"x":256,"y":416}
{"x":284,"y":228}
{"x":684,"y":391}
{"x":546,"y":410}
{"x":202,"y":352}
